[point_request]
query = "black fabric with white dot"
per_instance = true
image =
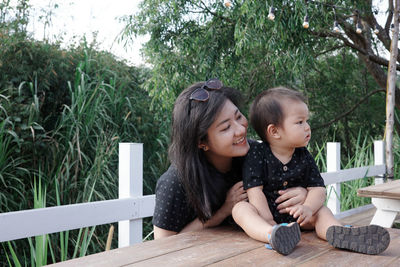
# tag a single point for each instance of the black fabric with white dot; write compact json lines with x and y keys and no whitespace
{"x":173,"y":212}
{"x":261,"y":167}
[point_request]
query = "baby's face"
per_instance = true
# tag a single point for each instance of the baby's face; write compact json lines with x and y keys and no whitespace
{"x":295,"y":130}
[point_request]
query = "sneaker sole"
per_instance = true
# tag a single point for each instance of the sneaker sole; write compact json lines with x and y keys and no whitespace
{"x":285,"y":238}
{"x":370,"y":239}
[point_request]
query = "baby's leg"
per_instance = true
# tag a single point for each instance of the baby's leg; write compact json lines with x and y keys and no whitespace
{"x":370,"y":239}
{"x":323,"y":220}
{"x":283,"y":237}
{"x":247,"y":217}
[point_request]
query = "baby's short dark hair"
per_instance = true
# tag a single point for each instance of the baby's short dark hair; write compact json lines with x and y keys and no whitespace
{"x":267,"y":109}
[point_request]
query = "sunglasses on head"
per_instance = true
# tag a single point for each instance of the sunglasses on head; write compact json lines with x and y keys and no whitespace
{"x":201,"y":94}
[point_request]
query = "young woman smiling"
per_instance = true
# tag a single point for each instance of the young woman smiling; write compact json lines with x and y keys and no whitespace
{"x":208,"y":144}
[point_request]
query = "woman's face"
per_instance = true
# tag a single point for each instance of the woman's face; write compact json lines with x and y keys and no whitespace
{"x":226,"y":137}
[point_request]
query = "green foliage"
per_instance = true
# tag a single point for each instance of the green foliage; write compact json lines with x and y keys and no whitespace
{"x":196,"y":40}
{"x":362,"y":156}
{"x":62,"y":114}
{"x":63,"y":111}
{"x":78,"y":155}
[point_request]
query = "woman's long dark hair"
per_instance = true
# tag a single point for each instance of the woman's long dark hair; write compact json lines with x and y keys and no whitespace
{"x":189,"y":128}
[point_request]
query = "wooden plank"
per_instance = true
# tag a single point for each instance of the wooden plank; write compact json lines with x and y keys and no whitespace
{"x":386,"y":190}
{"x":312,"y":251}
{"x":130,"y":184}
{"x":206,"y":253}
{"x":151,"y":249}
{"x":338,"y":257}
{"x":394,"y":263}
{"x":352,"y":174}
{"x":359,"y":219}
{"x":309,"y":246}
{"x":68,"y":217}
{"x":353,"y":211}
{"x":393,"y":192}
{"x":229,"y":246}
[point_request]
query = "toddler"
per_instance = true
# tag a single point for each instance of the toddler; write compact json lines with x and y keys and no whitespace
{"x":279,"y":116}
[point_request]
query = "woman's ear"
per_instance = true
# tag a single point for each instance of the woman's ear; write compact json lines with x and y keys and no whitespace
{"x":203,"y":146}
{"x":272,"y":132}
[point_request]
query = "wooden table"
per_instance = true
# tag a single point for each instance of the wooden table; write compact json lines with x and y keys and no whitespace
{"x":229,"y":246}
{"x":386,"y":198}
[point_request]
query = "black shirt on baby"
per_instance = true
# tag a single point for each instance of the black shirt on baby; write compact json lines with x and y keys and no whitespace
{"x":261,"y":167}
{"x":173,"y":212}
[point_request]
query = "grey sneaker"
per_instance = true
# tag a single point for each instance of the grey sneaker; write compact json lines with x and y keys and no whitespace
{"x":370,"y":239}
{"x":284,"y":237}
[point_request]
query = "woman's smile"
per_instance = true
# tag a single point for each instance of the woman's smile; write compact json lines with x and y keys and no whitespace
{"x":241,"y":141}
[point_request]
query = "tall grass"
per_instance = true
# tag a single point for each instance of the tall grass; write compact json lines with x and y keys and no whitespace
{"x":363,"y":156}
{"x":78,"y":157}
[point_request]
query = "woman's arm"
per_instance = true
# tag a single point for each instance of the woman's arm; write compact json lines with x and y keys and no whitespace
{"x":195,"y":225}
{"x":234,"y":195}
{"x":218,"y":217}
{"x":291,"y":197}
{"x":159,"y":232}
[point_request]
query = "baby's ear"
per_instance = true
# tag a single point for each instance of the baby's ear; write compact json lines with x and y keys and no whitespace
{"x":272,"y":132}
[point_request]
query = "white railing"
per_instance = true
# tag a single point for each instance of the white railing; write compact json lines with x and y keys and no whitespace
{"x":334,"y":176}
{"x":132,"y":206}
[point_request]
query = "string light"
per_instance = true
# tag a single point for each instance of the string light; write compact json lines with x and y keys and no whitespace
{"x":359,"y":28}
{"x":306,"y":23}
{"x":271,"y":15}
{"x":336,"y":27}
{"x":306,"y":20}
{"x":335,"y":23}
{"x":376,"y":30}
{"x":227,"y":3}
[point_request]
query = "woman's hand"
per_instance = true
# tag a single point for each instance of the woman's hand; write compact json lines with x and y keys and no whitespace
{"x":235,"y":194}
{"x":290,"y":197}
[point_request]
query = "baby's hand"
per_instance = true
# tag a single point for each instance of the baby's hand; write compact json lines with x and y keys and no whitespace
{"x":302,"y":213}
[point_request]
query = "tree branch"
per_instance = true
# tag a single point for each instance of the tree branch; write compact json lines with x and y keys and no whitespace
{"x":204,"y":7}
{"x":349,"y":111}
{"x":329,"y":50}
{"x":383,"y":34}
{"x":390,"y":17}
{"x":373,"y":58}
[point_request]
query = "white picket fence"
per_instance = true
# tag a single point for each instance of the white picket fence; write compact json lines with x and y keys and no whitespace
{"x":132,"y":206}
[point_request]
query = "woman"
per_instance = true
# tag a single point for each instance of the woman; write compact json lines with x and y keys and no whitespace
{"x":207,"y":147}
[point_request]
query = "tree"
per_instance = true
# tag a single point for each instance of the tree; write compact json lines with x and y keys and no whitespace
{"x":194,"y":40}
{"x":373,"y":38}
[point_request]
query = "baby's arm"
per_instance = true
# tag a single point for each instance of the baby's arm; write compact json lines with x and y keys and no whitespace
{"x":259,"y":201}
{"x":314,"y":201}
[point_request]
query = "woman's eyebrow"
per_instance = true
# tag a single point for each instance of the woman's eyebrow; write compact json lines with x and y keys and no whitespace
{"x":224,"y":121}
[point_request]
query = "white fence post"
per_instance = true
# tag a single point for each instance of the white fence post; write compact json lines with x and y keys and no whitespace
{"x":379,"y":158}
{"x":333,"y":164}
{"x":130,"y":185}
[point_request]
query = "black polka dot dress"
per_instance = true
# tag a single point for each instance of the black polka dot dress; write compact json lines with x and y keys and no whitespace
{"x":173,"y":212}
{"x":261,"y":167}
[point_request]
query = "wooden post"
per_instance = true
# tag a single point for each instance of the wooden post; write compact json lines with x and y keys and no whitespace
{"x":390,"y":96}
{"x":333,"y":164}
{"x":379,"y":158}
{"x":130,"y":185}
